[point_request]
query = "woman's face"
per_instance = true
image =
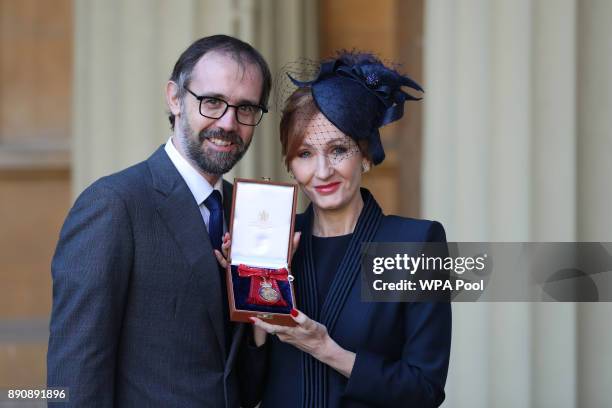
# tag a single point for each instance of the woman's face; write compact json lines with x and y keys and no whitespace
{"x":328,"y":165}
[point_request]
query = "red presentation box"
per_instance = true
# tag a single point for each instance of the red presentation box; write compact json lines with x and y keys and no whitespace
{"x":259,"y":280}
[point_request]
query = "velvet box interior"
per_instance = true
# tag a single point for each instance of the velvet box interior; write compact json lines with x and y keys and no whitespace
{"x":259,"y":281}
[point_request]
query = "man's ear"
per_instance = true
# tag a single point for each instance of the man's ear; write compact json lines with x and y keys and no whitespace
{"x":172,"y":98}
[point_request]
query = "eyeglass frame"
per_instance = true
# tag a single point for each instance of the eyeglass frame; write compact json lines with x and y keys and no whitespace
{"x":200,"y":98}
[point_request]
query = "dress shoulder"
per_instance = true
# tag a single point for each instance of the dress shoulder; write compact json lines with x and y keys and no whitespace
{"x":394,"y":228}
{"x":403,"y":229}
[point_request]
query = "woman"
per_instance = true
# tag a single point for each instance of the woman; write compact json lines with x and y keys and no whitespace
{"x":345,"y":352}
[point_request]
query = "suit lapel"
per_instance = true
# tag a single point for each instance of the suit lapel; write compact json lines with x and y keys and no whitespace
{"x":179,"y":211}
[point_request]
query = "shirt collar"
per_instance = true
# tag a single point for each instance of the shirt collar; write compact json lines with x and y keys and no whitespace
{"x":198,"y":185}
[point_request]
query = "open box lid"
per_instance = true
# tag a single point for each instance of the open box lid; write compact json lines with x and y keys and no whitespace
{"x":262,"y":216}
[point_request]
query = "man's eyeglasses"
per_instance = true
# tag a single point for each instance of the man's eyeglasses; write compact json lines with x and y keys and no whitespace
{"x":215,"y":108}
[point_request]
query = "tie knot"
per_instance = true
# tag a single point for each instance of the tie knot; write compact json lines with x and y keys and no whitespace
{"x":213,"y":201}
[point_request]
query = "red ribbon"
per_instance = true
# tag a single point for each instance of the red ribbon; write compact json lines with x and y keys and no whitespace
{"x":258,"y":277}
{"x":245,"y":271}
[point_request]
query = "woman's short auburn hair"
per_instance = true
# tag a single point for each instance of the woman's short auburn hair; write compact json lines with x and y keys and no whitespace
{"x":299,"y":109}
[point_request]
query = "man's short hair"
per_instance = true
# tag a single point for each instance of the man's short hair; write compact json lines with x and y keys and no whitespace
{"x":239,"y":50}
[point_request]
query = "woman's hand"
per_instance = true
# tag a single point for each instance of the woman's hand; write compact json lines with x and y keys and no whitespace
{"x":311,"y":337}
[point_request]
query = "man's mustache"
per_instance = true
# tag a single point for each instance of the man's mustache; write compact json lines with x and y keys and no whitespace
{"x":231,"y":137}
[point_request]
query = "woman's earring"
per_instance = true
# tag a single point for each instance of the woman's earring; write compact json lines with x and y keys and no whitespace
{"x":291,"y":175}
{"x":365,"y":166}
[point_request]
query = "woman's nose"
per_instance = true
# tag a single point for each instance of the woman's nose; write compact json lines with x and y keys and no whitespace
{"x":324,"y":167}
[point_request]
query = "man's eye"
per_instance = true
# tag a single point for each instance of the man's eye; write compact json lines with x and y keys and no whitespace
{"x":211,"y":102}
{"x":248,"y":109}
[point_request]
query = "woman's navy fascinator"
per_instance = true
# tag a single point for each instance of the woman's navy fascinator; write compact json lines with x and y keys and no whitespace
{"x":358,"y":94}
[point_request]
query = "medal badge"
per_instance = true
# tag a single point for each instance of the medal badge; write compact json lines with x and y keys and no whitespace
{"x":268,"y":293}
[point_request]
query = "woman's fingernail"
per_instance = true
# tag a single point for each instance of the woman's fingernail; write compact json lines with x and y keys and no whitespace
{"x":294,"y":312}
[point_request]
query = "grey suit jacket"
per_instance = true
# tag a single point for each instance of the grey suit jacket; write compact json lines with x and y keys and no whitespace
{"x":137,"y":315}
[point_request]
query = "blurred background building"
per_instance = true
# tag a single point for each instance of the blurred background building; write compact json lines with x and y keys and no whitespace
{"x":513,"y":142}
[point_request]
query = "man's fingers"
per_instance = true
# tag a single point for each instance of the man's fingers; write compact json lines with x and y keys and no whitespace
{"x":225,"y":246}
{"x":296,"y":238}
{"x":296,"y":241}
{"x":220,"y":259}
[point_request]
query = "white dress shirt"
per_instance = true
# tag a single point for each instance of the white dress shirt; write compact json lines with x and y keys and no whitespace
{"x":200,"y":187}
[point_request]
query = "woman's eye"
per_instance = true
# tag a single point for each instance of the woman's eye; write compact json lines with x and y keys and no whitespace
{"x":304,"y":154}
{"x":338,"y":150}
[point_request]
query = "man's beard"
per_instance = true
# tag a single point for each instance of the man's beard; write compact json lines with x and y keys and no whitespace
{"x":211,"y":161}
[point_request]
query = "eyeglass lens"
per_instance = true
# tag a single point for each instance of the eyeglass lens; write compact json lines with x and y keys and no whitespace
{"x":215,"y":108}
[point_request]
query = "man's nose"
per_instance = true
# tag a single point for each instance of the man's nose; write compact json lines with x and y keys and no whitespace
{"x":228,"y":121}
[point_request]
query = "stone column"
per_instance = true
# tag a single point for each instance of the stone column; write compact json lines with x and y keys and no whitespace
{"x":553,"y":192}
{"x":455,"y":143}
{"x":499,"y":148}
{"x":594,"y":190}
{"x":124,"y":52}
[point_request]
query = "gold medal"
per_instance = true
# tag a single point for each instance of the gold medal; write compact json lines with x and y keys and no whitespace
{"x":268,"y":293}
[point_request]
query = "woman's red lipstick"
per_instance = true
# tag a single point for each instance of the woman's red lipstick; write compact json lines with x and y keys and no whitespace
{"x":327,"y":188}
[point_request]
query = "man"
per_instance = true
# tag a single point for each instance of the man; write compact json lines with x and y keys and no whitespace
{"x":139,"y":305}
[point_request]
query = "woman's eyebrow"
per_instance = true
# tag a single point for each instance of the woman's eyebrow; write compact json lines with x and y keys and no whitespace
{"x":305,"y":145}
{"x":333,"y":141}
{"x":337,"y":139}
{"x":325,"y":143}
